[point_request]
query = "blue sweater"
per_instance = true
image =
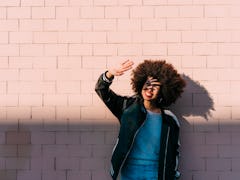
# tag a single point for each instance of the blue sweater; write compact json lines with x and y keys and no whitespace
{"x":146,"y":146}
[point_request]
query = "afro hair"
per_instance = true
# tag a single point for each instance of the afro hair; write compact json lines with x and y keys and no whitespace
{"x":172,"y":83}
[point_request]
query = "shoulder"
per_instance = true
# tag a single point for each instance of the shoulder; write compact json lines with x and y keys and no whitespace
{"x":172,"y":116}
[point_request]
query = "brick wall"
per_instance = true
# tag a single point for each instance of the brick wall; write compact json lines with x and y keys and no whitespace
{"x":52,"y":124}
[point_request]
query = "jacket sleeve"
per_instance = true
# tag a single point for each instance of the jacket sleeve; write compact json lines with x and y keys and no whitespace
{"x":114,"y":102}
{"x":177,"y":154}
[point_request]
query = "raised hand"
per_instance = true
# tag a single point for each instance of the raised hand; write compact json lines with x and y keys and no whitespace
{"x":118,"y":71}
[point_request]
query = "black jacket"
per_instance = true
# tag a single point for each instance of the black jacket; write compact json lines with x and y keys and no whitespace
{"x":131,"y":114}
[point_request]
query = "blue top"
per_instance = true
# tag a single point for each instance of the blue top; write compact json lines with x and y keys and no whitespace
{"x":146,"y":146}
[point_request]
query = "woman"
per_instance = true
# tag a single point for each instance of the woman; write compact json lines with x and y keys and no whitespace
{"x":148,"y":140}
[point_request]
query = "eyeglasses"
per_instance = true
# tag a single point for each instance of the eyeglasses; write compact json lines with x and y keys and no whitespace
{"x":152,"y":83}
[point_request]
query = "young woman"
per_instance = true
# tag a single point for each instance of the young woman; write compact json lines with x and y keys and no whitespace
{"x":148,"y":140}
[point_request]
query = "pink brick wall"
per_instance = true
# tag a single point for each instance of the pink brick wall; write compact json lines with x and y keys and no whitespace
{"x":52,"y":124}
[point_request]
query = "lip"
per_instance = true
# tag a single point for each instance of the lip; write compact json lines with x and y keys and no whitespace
{"x":148,"y":94}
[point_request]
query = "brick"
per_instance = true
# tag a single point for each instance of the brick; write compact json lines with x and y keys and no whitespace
{"x":92,"y":12}
{"x":130,"y":2}
{"x":229,"y":48}
{"x":235,"y":62}
{"x":183,"y":24}
{"x":9,"y":49}
{"x":105,"y":49}
{"x":91,"y":164}
{"x":44,"y":63}
{"x":119,"y":37}
{"x":31,"y":50}
{"x":216,"y":87}
{"x":56,"y":3}
{"x":218,"y":138}
{"x":105,"y":2}
{"x":55,"y":24}
{"x":10,"y":3}
{"x":20,"y":37}
{"x":42,"y":163}
{"x":179,"y":49}
{"x":98,"y":62}
{"x":176,"y":2}
{"x":95,"y":138}
{"x":43,"y":138}
{"x":30,"y":75}
{"x":230,"y":74}
{"x":70,"y":37}
{"x":80,"y":100}
{"x":130,"y":49}
{"x":63,"y":163}
{"x":116,"y":12}
{"x":70,"y":138}
{"x":154,"y":49}
{"x":20,"y":62}
{"x":141,"y":12}
{"x":29,"y":150}
{"x":4,"y":37}
{"x":67,"y":12}
{"x":54,"y":151}
{"x":43,"y":12}
{"x":205,"y":175}
{"x":30,"y":25}
{"x":144,"y":37}
{"x":166,"y":11}
{"x":80,"y":24}
{"x":218,"y":61}
{"x":8,"y":25}
{"x":102,"y":151}
{"x":45,"y":112}
{"x":69,"y":62}
{"x":129,"y":25}
{"x":68,"y":87}
{"x":9,"y":100}
{"x":13,"y":137}
{"x":74,"y":175}
{"x":191,"y":11}
{"x":168,"y":36}
{"x":56,"y":50}
{"x":54,"y":175}
{"x":235,"y":37}
{"x":217,"y":11}
{"x":234,"y":11}
{"x":32,"y":3}
{"x":18,"y":113}
{"x":8,"y":150}
{"x":205,"y":49}
{"x":19,"y":12}
{"x":45,"y":37}
{"x":218,"y":36}
{"x":101,"y":174}
{"x":18,"y":163}
{"x":235,"y":164}
{"x":23,"y":175}
{"x":67,"y":74}
{"x":229,"y":151}
{"x":229,"y":175}
{"x":204,"y":24}
{"x":194,"y":62}
{"x":55,"y":100}
{"x":104,"y":25}
{"x":30,"y":100}
{"x":94,"y":37}
{"x":80,"y":3}
{"x":82,"y":151}
{"x":194,"y":36}
{"x":31,"y":87}
{"x":88,"y":87}
{"x":80,"y":49}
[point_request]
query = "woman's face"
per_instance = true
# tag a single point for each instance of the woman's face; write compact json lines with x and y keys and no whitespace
{"x":151,"y":89}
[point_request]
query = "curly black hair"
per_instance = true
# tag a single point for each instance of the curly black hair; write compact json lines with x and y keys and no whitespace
{"x":172,"y":83}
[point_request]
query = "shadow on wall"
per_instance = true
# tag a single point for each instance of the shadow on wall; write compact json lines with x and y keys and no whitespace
{"x":70,"y":151}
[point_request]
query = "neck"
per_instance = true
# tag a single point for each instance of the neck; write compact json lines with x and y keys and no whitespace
{"x":151,"y":106}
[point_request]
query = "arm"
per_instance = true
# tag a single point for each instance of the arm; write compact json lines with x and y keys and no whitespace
{"x":113,"y":101}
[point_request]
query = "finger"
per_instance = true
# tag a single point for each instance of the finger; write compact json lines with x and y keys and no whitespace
{"x":125,"y":62}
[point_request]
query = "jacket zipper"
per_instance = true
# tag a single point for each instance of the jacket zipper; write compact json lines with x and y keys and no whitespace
{"x":165,"y":158}
{"x":131,"y":145}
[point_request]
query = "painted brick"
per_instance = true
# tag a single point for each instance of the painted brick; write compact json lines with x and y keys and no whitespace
{"x":19,"y":13}
{"x":141,"y":12}
{"x":30,"y":25}
{"x":67,"y":12}
{"x":129,"y":24}
{"x":55,"y":25}
{"x":8,"y":25}
{"x":92,"y":12}
{"x":68,"y":87}
{"x":116,"y":12}
{"x":80,"y":24}
{"x":80,"y":49}
{"x":43,"y":12}
{"x":32,"y":3}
